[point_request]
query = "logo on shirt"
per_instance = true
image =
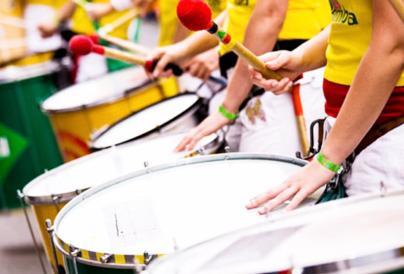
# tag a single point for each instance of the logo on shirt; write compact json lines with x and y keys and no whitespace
{"x":342,"y":15}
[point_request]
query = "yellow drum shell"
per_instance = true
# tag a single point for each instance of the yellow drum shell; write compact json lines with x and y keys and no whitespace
{"x":73,"y":127}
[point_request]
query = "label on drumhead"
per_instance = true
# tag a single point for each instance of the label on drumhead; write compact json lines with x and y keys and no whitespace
{"x":145,"y":121}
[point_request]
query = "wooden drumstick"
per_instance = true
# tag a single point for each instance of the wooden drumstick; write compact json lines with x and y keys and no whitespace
{"x":119,"y":22}
{"x":399,"y":7}
{"x":196,"y":15}
{"x":83,"y":45}
{"x":125,"y":44}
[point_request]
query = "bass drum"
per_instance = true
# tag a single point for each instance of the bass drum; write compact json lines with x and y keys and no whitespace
{"x":48,"y":193}
{"x":360,"y":235}
{"x":80,"y":110}
{"x":172,"y":115}
{"x":126,"y":223}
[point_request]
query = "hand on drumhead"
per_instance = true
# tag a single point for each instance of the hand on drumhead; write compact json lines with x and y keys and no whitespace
{"x":285,"y":63}
{"x":97,"y":11}
{"x":210,"y":125}
{"x":298,"y":187}
{"x":202,"y":65}
{"x":166,"y":55}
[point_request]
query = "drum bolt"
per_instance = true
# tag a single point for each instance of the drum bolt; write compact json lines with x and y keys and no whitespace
{"x":75,"y":252}
{"x":106,"y":258}
{"x":227,"y":149}
{"x":145,"y":164}
{"x":48,"y":224}
{"x":78,"y":191}
{"x":20,"y":194}
{"x":55,"y":198}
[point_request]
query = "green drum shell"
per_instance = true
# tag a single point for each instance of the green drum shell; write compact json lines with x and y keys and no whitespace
{"x":22,"y":90}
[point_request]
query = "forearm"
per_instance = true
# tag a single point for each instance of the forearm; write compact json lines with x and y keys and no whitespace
{"x":67,"y":11}
{"x":312,"y":54}
{"x":367,"y":97}
{"x":265,"y":26}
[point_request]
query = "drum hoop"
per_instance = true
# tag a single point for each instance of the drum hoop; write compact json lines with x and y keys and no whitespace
{"x":354,"y":263}
{"x":185,"y":162}
{"x":44,"y":69}
{"x":106,"y":101}
{"x":190,"y":110}
{"x":67,"y":196}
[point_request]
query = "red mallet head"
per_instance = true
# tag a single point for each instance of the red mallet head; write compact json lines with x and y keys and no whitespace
{"x":83,"y":45}
{"x":194,"y":14}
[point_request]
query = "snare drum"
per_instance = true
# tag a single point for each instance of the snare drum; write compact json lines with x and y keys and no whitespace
{"x":80,"y":110}
{"x":48,"y":193}
{"x":360,"y":235}
{"x":124,"y":223}
{"x":173,"y":115}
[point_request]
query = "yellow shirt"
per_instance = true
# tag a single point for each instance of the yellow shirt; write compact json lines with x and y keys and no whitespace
{"x":351,"y":31}
{"x":81,"y":22}
{"x":304,"y":19}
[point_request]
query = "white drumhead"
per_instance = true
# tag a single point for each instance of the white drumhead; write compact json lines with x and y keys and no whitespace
{"x":97,"y":91}
{"x":365,"y":229}
{"x":145,"y":120}
{"x":330,"y":232}
{"x":101,"y":167}
{"x":170,"y":208}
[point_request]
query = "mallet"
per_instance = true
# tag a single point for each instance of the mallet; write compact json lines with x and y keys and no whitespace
{"x":196,"y":15}
{"x":83,"y":45}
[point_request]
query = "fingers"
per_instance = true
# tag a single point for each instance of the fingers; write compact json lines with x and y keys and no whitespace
{"x":190,"y":140}
{"x":298,"y":199}
{"x":278,"y":200}
{"x":277,"y":87}
{"x":281,"y":60}
{"x":261,"y":199}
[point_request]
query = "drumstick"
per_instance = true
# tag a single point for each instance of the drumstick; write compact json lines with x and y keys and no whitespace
{"x":119,"y":22}
{"x":301,"y":123}
{"x":399,"y":7}
{"x":83,"y":45}
{"x":125,"y":44}
{"x":196,"y":15}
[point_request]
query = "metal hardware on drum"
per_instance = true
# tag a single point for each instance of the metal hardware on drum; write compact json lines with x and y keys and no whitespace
{"x":31,"y":231}
{"x":49,"y":229}
{"x":75,"y":253}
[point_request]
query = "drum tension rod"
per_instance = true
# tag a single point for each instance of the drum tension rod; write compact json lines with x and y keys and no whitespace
{"x":106,"y":258}
{"x":49,"y":229}
{"x":21,"y":197}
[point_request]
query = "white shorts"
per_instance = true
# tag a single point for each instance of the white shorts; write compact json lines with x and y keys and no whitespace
{"x":378,"y":168}
{"x":269,"y":123}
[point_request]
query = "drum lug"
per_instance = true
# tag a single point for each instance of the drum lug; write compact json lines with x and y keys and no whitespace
{"x":56,"y":198}
{"x":146,"y":164}
{"x":148,"y":258}
{"x":78,"y":191}
{"x":49,"y":229}
{"x":227,"y":149}
{"x":106,"y":258}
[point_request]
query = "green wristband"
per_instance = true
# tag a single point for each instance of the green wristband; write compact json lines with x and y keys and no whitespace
{"x":227,"y":114}
{"x":333,"y":167}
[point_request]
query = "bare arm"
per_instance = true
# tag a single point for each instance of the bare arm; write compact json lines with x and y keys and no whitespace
{"x":66,"y":11}
{"x":377,"y":75}
{"x":265,"y":26}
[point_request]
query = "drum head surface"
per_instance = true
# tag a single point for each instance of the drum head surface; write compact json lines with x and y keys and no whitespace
{"x":170,"y":207}
{"x":146,"y":120}
{"x":97,"y":91}
{"x":101,"y":167}
{"x":339,"y":233}
{"x":13,"y":73}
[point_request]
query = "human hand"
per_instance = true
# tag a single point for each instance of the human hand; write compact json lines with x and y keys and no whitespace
{"x":297,"y":187}
{"x":202,"y":65}
{"x":210,"y":125}
{"x":97,"y":11}
{"x":49,"y":28}
{"x":284,"y":62}
{"x":164,"y":56}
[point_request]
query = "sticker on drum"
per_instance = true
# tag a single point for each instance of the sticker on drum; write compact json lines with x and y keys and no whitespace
{"x":48,"y":193}
{"x":171,"y":115}
{"x":360,"y":235}
{"x":165,"y":208}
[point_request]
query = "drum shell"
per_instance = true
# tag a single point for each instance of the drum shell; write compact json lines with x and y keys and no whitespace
{"x":73,"y":128}
{"x":43,"y":212}
{"x":20,"y":99}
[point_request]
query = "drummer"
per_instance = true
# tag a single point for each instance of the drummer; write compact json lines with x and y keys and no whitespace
{"x":364,"y":90}
{"x":291,"y":24}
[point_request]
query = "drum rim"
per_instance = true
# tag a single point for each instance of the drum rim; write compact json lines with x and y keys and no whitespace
{"x":67,"y":248}
{"x":301,"y":212}
{"x":56,"y":198}
{"x":39,"y":70}
{"x":107,"y":100}
{"x":190,"y":110}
